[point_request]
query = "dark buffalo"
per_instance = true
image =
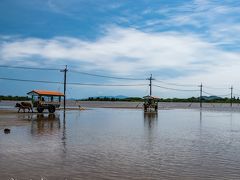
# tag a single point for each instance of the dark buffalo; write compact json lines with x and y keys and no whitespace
{"x":23,"y":106}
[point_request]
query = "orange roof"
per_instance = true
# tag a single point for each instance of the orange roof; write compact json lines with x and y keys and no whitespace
{"x":46,"y":93}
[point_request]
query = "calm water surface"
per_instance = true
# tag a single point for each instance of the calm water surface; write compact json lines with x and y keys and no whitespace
{"x":123,"y":144}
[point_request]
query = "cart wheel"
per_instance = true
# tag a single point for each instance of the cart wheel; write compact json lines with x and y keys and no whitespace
{"x":40,"y":109}
{"x":51,"y":109}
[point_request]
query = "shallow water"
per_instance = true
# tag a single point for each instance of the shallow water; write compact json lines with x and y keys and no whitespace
{"x":123,"y":144}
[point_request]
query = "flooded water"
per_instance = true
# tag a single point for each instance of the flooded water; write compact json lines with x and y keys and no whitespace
{"x":123,"y":144}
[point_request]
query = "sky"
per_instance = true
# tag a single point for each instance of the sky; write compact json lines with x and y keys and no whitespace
{"x":182,"y":43}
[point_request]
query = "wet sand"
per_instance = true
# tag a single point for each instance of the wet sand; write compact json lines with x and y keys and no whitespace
{"x":12,"y":118}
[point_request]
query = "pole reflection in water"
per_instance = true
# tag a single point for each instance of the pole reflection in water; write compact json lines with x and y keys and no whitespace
{"x":150,"y":120}
{"x":200,"y":120}
{"x":45,"y":124}
{"x":200,"y":116}
{"x":150,"y":124}
{"x":64,"y":133}
{"x":200,"y":123}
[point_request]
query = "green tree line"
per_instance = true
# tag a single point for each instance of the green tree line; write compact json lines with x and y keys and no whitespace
{"x":131,"y":99}
{"x":191,"y":99}
{"x":15,"y":98}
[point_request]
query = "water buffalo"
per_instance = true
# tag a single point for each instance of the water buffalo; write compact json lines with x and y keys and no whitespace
{"x":23,"y":106}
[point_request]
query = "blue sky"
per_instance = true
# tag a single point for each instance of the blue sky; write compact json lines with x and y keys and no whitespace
{"x":178,"y":41}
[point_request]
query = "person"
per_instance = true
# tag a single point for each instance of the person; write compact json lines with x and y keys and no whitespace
{"x":145,"y":107}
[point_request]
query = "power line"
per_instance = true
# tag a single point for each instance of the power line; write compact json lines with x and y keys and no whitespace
{"x":237,"y":89}
{"x":33,"y":68}
{"x":74,"y":71}
{"x":210,"y":94}
{"x":236,"y":94}
{"x":28,"y":80}
{"x":104,"y":76}
{"x":71,"y":83}
{"x":176,"y":84}
{"x":175,"y":88}
{"x":93,"y":84}
{"x":209,"y":87}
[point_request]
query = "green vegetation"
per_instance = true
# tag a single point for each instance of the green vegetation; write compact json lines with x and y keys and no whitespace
{"x":15,"y":98}
{"x":205,"y":99}
{"x":209,"y":99}
{"x":130,"y":99}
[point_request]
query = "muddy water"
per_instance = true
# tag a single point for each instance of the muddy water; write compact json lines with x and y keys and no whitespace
{"x":123,"y":144}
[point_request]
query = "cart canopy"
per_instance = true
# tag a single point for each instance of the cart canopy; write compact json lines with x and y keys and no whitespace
{"x":151,"y":97}
{"x":45,"y":93}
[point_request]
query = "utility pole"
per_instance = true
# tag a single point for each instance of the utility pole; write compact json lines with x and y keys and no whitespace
{"x":231,"y":96}
{"x":150,"y":84}
{"x":201,"y":88}
{"x":65,"y":86}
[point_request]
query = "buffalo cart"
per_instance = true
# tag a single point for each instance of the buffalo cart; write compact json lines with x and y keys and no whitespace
{"x":42,"y":99}
{"x":150,"y":104}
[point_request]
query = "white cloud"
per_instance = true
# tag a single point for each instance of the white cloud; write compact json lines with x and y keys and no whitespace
{"x":214,"y":20}
{"x":131,"y":52}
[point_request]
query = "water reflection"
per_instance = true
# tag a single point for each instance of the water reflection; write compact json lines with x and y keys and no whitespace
{"x":150,"y":120}
{"x":42,"y":123}
{"x":200,"y":116}
{"x":124,"y":144}
{"x":64,"y":133}
{"x":25,"y":116}
{"x":200,"y":120}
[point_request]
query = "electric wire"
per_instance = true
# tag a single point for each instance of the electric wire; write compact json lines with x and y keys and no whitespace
{"x":209,"y":87}
{"x":104,"y":76}
{"x":176,"y":84}
{"x":210,"y":94}
{"x":93,"y":84}
{"x":237,"y":89}
{"x":33,"y":68}
{"x":70,"y":83}
{"x":174,"y":88}
{"x":28,"y":80}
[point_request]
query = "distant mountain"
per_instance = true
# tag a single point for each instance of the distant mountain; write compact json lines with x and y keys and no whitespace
{"x":211,"y":97}
{"x":117,"y":97}
{"x":72,"y":99}
{"x":121,"y":97}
